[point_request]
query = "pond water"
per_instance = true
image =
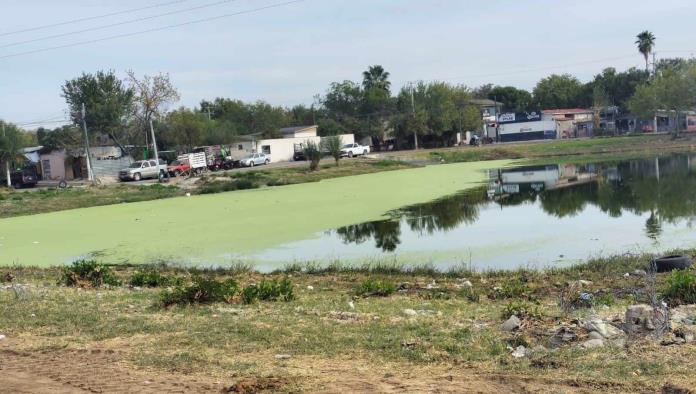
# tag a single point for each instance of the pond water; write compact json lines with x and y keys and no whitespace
{"x":534,"y":216}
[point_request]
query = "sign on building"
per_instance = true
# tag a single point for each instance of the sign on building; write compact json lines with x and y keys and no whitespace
{"x":515,"y":117}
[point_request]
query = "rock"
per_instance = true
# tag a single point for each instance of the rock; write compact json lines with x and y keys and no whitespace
{"x":511,"y":324}
{"x":639,"y":317}
{"x":410,"y":312}
{"x":626,"y":275}
{"x":619,"y":342}
{"x":639,"y":273}
{"x":310,"y":287}
{"x":282,"y":356}
{"x":539,"y":349}
{"x":351,"y":305}
{"x":683,"y":314}
{"x":520,"y":352}
{"x":432,"y":285}
{"x":592,"y":344}
{"x":463,"y":283}
{"x":2,"y":337}
{"x":604,"y":329}
{"x":595,"y":335}
{"x":562,"y":336}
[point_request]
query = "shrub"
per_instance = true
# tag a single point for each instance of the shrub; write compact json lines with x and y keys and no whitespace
{"x":201,"y":291}
{"x":375,"y":287}
{"x":219,"y":186}
{"x":680,"y":288}
{"x":333,"y":145}
{"x":470,"y":294}
{"x":313,"y":154}
{"x":513,"y":289}
{"x":522,"y":309}
{"x":269,"y":290}
{"x":152,"y":278}
{"x":88,"y":273}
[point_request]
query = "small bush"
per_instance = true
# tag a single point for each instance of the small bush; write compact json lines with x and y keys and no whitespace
{"x":87,"y":273}
{"x":219,"y":187}
{"x":312,"y":152}
{"x":152,"y":278}
{"x":470,"y":294}
{"x":680,"y":288}
{"x":375,"y":287}
{"x":201,"y":291}
{"x":522,"y":309}
{"x":269,"y":290}
{"x":513,"y":289}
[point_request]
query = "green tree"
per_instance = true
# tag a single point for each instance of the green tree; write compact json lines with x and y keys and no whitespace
{"x":645,"y":42}
{"x":108,"y":102}
{"x":558,"y":91}
{"x":65,"y":137}
{"x":617,"y":88}
{"x":152,"y":97}
{"x":186,"y":128}
{"x":376,"y":78}
{"x":11,"y":141}
{"x":312,"y":152}
{"x":672,"y":89}
{"x":332,"y":145}
{"x":513,"y":99}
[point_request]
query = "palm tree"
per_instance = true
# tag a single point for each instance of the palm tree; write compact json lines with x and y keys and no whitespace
{"x":376,"y":77}
{"x":645,"y":42}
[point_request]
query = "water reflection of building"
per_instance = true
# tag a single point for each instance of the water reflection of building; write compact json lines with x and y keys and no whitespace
{"x":538,"y":178}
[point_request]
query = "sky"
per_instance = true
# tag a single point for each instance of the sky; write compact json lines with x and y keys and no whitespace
{"x":285,"y":55}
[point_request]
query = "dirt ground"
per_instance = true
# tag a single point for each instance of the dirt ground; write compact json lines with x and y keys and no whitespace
{"x":95,"y":370}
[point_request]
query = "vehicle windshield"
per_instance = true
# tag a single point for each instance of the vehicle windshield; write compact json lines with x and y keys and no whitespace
{"x":348,"y":145}
{"x":137,"y":164}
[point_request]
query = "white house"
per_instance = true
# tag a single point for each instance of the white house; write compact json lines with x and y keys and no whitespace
{"x":282,"y":149}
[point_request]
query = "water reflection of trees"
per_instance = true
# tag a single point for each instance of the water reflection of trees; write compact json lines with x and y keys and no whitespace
{"x":441,"y":215}
{"x":665,"y":188}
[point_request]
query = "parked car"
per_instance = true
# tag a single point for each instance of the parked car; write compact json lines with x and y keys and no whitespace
{"x":299,"y":152}
{"x":255,"y":159}
{"x":178,"y":167}
{"x":354,"y":149}
{"x":22,"y":178}
{"x":142,"y":169}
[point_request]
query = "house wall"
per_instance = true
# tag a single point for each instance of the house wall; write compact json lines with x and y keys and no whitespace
{"x":53,"y":165}
{"x":526,"y":131}
{"x":282,"y":149}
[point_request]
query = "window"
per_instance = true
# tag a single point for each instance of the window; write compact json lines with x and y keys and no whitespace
{"x":146,"y":164}
{"x":240,"y":147}
{"x":266,"y":149}
{"x":153,"y":163}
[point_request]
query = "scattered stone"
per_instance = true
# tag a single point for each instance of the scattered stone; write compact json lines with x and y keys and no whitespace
{"x":2,"y":337}
{"x":603,"y":328}
{"x":310,"y":287}
{"x":410,"y":312}
{"x":432,"y":285}
{"x":511,"y":324}
{"x":639,"y":272}
{"x":639,"y":317}
{"x":520,"y":352}
{"x":562,"y":336}
{"x":683,"y":314}
{"x":282,"y":356}
{"x":463,"y":283}
{"x":592,"y":343}
{"x":595,"y":335}
{"x":627,"y":275}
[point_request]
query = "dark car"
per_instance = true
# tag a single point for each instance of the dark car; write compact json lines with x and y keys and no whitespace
{"x":22,"y":178}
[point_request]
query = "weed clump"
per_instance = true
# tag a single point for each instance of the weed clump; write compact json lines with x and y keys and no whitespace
{"x":219,"y":187}
{"x":269,"y":290}
{"x":152,"y":278}
{"x":375,"y":287}
{"x":200,"y":291}
{"x":522,"y":309}
{"x":680,"y":288}
{"x":87,"y":273}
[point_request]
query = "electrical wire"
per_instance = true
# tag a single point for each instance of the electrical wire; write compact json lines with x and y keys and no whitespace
{"x":156,"y":29}
{"x":131,"y":21}
{"x":89,"y":18}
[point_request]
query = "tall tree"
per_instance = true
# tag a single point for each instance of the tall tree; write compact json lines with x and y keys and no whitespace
{"x":513,"y":99}
{"x":645,"y":42}
{"x":558,"y":91}
{"x":376,"y":77}
{"x":108,"y":102}
{"x":152,"y":96}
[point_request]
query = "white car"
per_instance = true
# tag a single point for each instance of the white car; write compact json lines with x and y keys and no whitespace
{"x":354,"y":149}
{"x":255,"y":159}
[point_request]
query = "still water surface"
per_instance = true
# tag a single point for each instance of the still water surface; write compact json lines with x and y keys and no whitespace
{"x":532,"y":216}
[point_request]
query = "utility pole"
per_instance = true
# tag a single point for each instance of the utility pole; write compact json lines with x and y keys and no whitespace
{"x":208,"y":115}
{"x":90,"y":176}
{"x":413,"y":111}
{"x":154,"y":146}
{"x":7,"y":162}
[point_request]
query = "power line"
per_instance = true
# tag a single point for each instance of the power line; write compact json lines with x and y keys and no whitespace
{"x":131,"y":21}
{"x":253,"y":10}
{"x":89,"y":18}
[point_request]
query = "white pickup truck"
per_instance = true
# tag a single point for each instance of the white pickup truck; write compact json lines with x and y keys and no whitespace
{"x":354,"y":149}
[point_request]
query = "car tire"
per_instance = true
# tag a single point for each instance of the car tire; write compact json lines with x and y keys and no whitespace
{"x":350,"y":154}
{"x":266,"y":162}
{"x":674,"y":262}
{"x":177,"y":173}
{"x":365,"y":152}
{"x":137,"y":177}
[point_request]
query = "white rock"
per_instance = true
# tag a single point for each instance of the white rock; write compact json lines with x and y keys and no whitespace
{"x":410,"y":312}
{"x":351,"y":304}
{"x":511,"y":324}
{"x":520,"y":352}
{"x":595,"y":335}
{"x":626,"y":275}
{"x":2,"y":337}
{"x":639,"y":273}
{"x":282,"y":356}
{"x":592,"y":343}
{"x":310,"y":287}
{"x":604,"y":329}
